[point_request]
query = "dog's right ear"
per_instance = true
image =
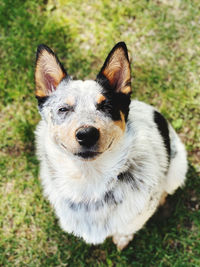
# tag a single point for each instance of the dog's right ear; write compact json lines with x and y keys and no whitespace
{"x":116,"y":70}
{"x":49,"y":72}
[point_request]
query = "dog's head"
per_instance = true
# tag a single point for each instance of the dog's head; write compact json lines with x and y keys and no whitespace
{"x":85,"y":118}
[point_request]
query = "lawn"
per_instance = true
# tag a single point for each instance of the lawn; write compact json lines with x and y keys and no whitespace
{"x":163,"y":38}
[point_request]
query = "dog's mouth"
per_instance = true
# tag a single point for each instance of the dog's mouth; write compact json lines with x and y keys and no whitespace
{"x":87,"y":154}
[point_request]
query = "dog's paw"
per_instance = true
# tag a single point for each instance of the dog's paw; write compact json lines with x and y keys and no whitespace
{"x":163,"y":199}
{"x":121,"y":241}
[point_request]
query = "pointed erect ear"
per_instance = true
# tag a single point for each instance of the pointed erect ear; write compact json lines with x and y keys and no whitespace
{"x":116,"y":70}
{"x":48,"y":71}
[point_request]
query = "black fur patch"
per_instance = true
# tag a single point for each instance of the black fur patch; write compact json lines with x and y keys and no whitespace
{"x":115,"y":102}
{"x":164,"y":130}
{"x":128,"y":177}
{"x":108,"y":199}
{"x":41,"y":101}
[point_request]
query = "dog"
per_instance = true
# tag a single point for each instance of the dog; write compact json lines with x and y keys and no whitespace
{"x":106,"y":162}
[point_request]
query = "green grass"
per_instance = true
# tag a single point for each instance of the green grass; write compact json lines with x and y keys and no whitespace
{"x":164,"y":45}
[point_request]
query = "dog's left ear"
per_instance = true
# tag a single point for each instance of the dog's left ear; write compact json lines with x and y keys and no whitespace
{"x":116,"y":71}
{"x":49,"y":72}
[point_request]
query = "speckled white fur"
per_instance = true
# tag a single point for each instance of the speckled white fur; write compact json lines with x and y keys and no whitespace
{"x":66,"y":177}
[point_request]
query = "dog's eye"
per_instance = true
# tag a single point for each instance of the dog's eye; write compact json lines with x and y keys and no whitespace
{"x":101,"y":105}
{"x":104,"y":106}
{"x":63,"y":110}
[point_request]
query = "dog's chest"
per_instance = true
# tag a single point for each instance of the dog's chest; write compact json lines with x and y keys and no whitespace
{"x":96,"y":220}
{"x":93,"y":220}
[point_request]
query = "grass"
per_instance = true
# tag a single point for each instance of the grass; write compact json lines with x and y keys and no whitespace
{"x":164,"y":45}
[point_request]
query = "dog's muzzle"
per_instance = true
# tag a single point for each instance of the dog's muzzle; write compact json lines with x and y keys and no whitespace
{"x":87,"y":136}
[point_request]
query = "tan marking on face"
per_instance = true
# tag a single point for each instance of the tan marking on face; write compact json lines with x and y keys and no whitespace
{"x":65,"y":135}
{"x":100,"y":98}
{"x":126,"y":90}
{"x":121,"y":123}
{"x":110,"y":134}
{"x":70,"y":101}
{"x":40,"y":93}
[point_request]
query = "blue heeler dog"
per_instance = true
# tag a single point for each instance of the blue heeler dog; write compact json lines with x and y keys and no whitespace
{"x":106,"y":162}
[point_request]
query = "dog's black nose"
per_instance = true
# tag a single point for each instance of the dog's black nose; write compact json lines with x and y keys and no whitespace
{"x":87,"y":136}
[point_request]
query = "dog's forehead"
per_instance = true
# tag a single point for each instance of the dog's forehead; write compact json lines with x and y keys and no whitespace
{"x":80,"y":89}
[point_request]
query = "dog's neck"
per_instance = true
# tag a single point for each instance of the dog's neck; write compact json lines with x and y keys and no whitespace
{"x":91,"y":179}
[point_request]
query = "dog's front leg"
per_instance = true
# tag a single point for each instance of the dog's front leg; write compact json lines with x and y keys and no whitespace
{"x":121,"y":240}
{"x":163,"y":199}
